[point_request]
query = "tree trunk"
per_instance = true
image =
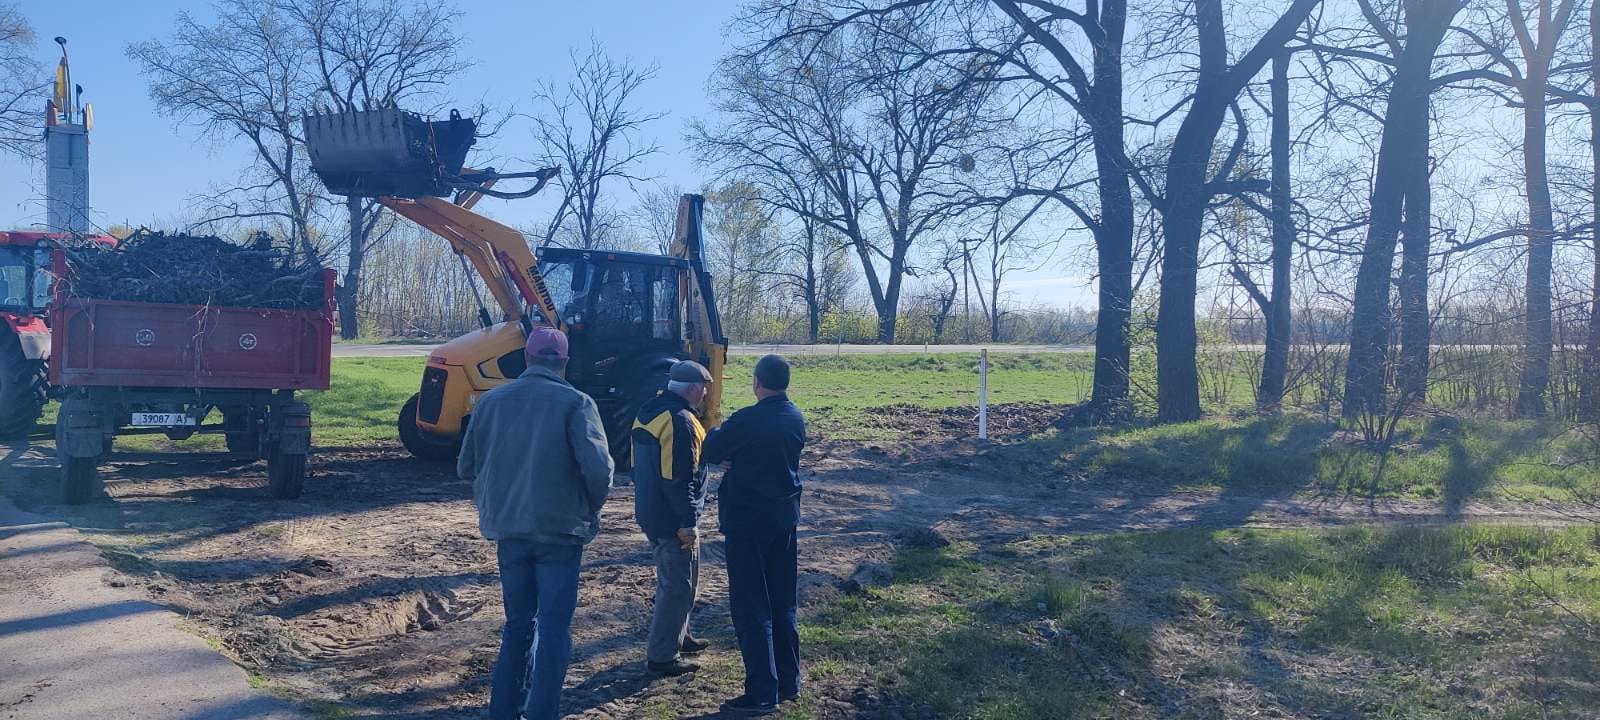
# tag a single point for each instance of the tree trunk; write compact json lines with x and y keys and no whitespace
{"x":1364,"y":382}
{"x":1177,"y":378}
{"x":1188,"y":192}
{"x":889,"y":305}
{"x":813,"y":299}
{"x":887,"y":310}
{"x":1416,"y":241}
{"x":350,"y":291}
{"x":1279,"y":321}
{"x":1537,"y":345}
{"x":1114,"y":237}
{"x":994,"y":310}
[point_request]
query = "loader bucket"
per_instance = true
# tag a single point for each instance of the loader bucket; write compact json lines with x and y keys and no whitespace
{"x":388,"y":152}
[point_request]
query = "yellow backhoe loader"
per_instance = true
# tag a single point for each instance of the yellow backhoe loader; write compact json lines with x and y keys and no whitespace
{"x":628,"y":316}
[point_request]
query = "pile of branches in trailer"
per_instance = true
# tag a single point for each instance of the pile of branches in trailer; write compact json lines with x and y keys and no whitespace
{"x":151,"y":266}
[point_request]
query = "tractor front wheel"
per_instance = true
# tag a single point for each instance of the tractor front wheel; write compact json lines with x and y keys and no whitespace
{"x":422,"y":444}
{"x":24,"y":385}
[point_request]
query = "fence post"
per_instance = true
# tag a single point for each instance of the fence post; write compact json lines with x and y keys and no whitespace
{"x":983,"y":394}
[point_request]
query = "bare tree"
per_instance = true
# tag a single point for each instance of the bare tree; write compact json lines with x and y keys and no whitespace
{"x":22,"y":82}
{"x":878,"y":128}
{"x":657,"y":214}
{"x":249,"y":74}
{"x":1403,"y":148}
{"x":941,"y":292}
{"x":785,"y":132}
{"x":1274,"y":301}
{"x":374,"y":54}
{"x":807,"y":252}
{"x":1536,"y":41}
{"x":1071,"y":56}
{"x":1189,"y":187}
{"x":1591,"y":405}
{"x":590,"y":128}
{"x":740,"y":238}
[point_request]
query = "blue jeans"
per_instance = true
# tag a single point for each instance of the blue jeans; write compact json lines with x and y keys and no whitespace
{"x":540,"y":584}
{"x":762,"y":597}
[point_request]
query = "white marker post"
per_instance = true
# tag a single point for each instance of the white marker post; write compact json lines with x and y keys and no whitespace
{"x":983,"y":394}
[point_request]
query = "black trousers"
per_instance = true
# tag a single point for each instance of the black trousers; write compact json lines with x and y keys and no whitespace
{"x":762,"y":598}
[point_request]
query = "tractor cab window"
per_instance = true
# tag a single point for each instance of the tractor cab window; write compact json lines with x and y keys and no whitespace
{"x":665,"y":292}
{"x":568,"y":283}
{"x":623,"y":306}
{"x":42,"y":278}
{"x":14,"y":289}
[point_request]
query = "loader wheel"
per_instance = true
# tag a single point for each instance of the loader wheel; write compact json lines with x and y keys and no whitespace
{"x":24,"y":386}
{"x":421,"y":444}
{"x":618,"y":418}
{"x":80,"y":480}
{"x":286,"y":475}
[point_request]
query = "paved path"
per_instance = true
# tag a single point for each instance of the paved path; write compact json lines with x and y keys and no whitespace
{"x":73,"y":646}
{"x":397,"y":350}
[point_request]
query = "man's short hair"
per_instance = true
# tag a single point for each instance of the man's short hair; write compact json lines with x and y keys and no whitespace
{"x":772,"y":371}
{"x":547,"y":359}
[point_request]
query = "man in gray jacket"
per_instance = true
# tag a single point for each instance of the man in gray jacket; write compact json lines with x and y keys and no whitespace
{"x":537,"y":456}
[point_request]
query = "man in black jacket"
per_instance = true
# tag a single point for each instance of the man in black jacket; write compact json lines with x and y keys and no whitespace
{"x":669,"y":491}
{"x":759,"y":507}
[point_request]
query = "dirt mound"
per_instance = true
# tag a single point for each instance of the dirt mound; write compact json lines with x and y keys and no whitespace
{"x":1009,"y":420}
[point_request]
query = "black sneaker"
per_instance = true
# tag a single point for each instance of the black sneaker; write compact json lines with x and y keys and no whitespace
{"x":787,"y":695}
{"x":743,"y":706}
{"x":675,"y":666}
{"x":693,"y":645}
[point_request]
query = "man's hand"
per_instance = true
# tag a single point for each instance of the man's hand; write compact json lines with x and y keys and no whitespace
{"x":688,"y":537}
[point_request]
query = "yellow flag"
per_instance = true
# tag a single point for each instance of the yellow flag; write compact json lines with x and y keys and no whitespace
{"x":88,"y":116}
{"x":61,"y":86}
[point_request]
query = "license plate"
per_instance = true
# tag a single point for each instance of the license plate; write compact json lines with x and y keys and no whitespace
{"x":161,"y":419}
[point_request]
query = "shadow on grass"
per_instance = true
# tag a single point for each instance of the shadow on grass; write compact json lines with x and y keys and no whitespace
{"x":1196,"y":623}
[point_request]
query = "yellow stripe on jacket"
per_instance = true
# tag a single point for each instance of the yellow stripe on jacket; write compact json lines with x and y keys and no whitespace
{"x":660,"y":427}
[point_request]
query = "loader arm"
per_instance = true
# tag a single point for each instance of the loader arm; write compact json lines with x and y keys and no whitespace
{"x":703,"y":325}
{"x":500,"y":254}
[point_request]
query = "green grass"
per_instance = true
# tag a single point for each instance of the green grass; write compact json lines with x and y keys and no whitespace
{"x":366,"y":393}
{"x":1364,"y":622}
{"x":363,"y":400}
{"x":1444,"y":458}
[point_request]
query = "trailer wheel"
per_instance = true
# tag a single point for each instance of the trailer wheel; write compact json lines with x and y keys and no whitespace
{"x":286,"y":475}
{"x":24,"y":387}
{"x":424,"y":445}
{"x":80,"y":480}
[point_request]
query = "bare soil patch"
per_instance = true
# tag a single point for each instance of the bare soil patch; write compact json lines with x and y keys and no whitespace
{"x":375,"y":592}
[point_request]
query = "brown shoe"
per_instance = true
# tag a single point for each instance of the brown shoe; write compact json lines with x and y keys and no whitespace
{"x":673,"y":667}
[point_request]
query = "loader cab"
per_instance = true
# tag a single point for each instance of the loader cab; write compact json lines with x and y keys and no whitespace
{"x":624,"y":318}
{"x":627,"y":303}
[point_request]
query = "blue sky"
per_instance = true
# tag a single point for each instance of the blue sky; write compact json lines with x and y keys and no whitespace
{"x":144,"y":170}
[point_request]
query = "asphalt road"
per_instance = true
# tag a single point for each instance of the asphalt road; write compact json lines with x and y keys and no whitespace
{"x":399,"y":350}
{"x":75,"y":642}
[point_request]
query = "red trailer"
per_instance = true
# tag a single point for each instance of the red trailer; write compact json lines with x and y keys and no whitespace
{"x":158,"y":367}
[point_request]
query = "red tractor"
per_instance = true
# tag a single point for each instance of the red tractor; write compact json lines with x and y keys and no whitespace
{"x":25,"y":340}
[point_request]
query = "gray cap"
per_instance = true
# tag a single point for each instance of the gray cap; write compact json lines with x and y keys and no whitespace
{"x":689,"y":371}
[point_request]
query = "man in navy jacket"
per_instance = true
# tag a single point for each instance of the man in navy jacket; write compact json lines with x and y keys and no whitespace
{"x":759,"y":507}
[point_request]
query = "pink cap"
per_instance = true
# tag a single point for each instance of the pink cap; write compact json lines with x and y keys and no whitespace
{"x":545,"y":340}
